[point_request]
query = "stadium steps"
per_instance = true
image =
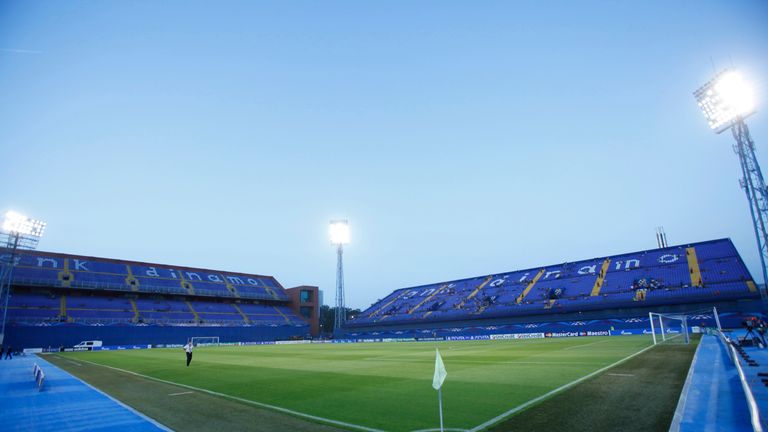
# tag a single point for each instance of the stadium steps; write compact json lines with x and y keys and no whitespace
{"x":135,"y":311}
{"x":240,"y":311}
{"x":693,"y":267}
{"x":187,"y":285}
{"x":131,"y":280}
{"x":272,"y":293}
{"x":191,"y":309}
{"x":528,"y":288}
{"x":231,"y":288}
{"x":549,"y":303}
{"x":288,"y":321}
{"x":63,"y":306}
{"x":402,"y":293}
{"x":66,"y":277}
{"x":477,"y":290}
{"x":600,"y":278}
{"x":751,"y":286}
{"x":431,"y":296}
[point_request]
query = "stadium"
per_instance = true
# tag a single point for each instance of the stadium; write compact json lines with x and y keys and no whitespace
{"x":489,"y":262}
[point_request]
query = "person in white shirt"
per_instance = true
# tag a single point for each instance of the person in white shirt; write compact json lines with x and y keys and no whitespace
{"x":188,"y":349}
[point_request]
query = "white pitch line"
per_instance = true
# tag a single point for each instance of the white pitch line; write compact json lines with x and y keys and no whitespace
{"x":585,"y":345}
{"x":518,"y":408}
{"x":623,"y":375}
{"x":179,"y":394}
{"x":250,"y":402}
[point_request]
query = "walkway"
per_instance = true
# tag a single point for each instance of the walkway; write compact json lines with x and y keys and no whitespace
{"x":64,"y":404}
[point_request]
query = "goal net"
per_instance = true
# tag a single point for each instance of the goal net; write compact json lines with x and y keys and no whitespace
{"x":205,"y":341}
{"x":669,"y":328}
{"x":675,"y":328}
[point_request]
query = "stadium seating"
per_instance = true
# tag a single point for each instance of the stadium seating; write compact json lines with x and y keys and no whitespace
{"x":696,"y":273}
{"x":56,"y":290}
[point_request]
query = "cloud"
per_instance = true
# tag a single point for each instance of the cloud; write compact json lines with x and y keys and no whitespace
{"x":20,"y":51}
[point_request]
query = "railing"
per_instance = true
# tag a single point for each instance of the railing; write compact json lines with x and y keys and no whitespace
{"x":754,"y":413}
{"x":152,"y":321}
{"x":142,"y":288}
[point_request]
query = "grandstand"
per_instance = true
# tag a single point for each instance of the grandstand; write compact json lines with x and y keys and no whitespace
{"x":60,"y":299}
{"x":598,"y":294}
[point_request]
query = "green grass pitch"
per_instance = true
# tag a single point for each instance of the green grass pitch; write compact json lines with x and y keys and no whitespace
{"x":384,"y":386}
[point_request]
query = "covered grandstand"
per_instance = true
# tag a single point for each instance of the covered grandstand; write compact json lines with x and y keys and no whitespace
{"x":60,"y":299}
{"x":599,"y":294}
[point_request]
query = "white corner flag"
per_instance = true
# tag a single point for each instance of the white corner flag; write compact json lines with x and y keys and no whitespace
{"x":437,"y":382}
{"x":440,"y":372}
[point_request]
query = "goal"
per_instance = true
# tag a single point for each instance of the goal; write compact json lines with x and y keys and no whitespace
{"x":205,"y":341}
{"x":675,"y":328}
{"x":669,"y":328}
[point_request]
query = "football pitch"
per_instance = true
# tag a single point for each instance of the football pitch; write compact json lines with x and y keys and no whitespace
{"x":387,"y":386}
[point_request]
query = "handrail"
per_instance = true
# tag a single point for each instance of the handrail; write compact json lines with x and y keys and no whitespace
{"x":754,"y":413}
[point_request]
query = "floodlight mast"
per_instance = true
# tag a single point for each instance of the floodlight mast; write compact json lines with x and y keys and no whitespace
{"x":726,"y":101}
{"x":18,"y":232}
{"x":339,"y":231}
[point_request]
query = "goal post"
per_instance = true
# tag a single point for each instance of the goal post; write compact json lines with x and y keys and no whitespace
{"x":204,"y":341}
{"x":677,"y":327}
{"x":669,"y":328}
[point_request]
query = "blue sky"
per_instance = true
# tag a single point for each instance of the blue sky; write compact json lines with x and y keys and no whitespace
{"x":459,"y":138}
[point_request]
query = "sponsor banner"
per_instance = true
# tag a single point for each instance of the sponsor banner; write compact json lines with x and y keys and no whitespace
{"x":32,"y":350}
{"x":430,"y":339}
{"x":120,"y":347}
{"x":514,"y":336}
{"x":292,"y":342}
{"x":399,"y":340}
{"x":628,"y":332}
{"x":256,"y":343}
{"x":465,"y":338}
{"x":529,"y":336}
{"x":577,"y":334}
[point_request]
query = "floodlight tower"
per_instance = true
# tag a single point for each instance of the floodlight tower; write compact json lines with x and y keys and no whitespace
{"x":339,"y":230}
{"x":726,"y":100}
{"x":17,"y":232}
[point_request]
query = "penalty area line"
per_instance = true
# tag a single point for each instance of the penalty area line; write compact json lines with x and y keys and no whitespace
{"x":553,"y":392}
{"x":250,"y":402}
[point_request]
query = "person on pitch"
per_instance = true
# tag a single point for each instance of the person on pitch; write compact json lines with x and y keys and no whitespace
{"x":188,"y":349}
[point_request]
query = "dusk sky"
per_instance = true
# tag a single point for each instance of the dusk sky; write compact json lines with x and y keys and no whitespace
{"x":459,"y":138}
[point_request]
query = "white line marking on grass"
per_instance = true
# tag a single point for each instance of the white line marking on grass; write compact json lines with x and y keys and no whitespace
{"x":589,"y":344}
{"x":259,"y":404}
{"x":180,"y":393}
{"x":553,"y":392}
{"x":69,"y":361}
{"x":622,"y":375}
{"x":438,"y":430}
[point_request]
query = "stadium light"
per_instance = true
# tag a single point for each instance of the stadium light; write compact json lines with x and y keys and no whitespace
{"x":16,"y":223}
{"x":339,"y":232}
{"x":726,"y":100}
{"x":19,"y":232}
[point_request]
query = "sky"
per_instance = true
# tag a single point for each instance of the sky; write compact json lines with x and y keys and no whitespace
{"x":458,"y":138}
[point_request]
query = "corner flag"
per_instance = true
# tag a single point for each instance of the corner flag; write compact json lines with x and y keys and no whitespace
{"x":437,"y":382}
{"x":440,"y":372}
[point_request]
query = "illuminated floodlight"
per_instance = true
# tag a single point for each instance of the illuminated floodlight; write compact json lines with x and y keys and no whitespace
{"x":18,"y":224}
{"x":724,"y":99}
{"x":339,"y":231}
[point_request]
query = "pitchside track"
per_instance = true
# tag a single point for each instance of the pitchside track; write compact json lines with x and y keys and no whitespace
{"x":545,"y":384}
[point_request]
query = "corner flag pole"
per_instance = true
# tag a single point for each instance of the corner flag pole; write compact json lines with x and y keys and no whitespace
{"x":437,"y":382}
{"x":440,"y":402}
